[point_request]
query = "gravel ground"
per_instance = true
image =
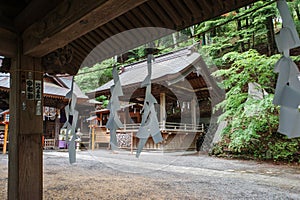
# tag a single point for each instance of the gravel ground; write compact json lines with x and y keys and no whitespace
{"x":102,"y":174}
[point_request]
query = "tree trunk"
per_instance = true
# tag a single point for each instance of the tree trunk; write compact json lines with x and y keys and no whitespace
{"x":271,"y":36}
{"x":295,"y":5}
{"x":174,"y":40}
{"x":213,"y":33}
{"x":247,"y":27}
{"x":250,"y":24}
{"x":192,"y":29}
{"x":239,"y":27}
{"x":203,"y":39}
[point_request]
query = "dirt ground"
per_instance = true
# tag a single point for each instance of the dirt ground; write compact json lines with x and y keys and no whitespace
{"x":102,"y":174}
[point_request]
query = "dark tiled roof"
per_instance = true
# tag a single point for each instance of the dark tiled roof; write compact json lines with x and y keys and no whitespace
{"x":163,"y":67}
{"x":49,"y":88}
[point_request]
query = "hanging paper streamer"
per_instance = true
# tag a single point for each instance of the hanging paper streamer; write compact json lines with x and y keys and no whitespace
{"x":288,"y":36}
{"x":70,"y":124}
{"x":287,"y":92}
{"x":149,"y":125}
{"x":114,"y":122}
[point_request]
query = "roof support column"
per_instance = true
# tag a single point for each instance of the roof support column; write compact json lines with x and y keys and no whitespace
{"x":162,"y":107}
{"x":25,"y":176}
{"x":194,"y":112}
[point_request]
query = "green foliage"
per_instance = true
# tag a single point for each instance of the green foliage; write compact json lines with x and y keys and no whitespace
{"x":89,"y":78}
{"x":103,"y":99}
{"x":252,"y":122}
{"x":284,"y":149}
{"x":238,"y":31}
{"x":247,"y":67}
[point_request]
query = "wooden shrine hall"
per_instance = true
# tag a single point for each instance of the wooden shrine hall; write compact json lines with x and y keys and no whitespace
{"x":60,"y":36}
{"x":183,"y":88}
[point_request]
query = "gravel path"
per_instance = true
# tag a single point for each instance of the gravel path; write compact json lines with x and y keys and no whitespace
{"x":102,"y":174}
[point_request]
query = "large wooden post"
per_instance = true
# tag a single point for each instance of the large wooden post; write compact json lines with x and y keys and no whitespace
{"x":25,"y":177}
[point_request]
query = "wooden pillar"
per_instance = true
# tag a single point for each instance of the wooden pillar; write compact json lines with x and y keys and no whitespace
{"x":131,"y":144}
{"x":162,"y":107}
{"x":81,"y":123}
{"x":194,"y":112}
{"x":5,"y":137}
{"x":101,"y":119}
{"x":125,"y":115}
{"x":93,"y":137}
{"x":25,"y":176}
{"x":90,"y":135}
{"x":57,"y":130}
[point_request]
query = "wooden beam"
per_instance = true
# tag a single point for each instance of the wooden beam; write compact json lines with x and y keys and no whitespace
{"x":70,"y":20}
{"x":6,"y":23}
{"x":8,"y":41}
{"x":35,"y":10}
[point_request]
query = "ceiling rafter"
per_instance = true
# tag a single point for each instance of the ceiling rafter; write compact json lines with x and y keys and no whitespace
{"x":117,"y":29}
{"x":166,"y":6}
{"x":160,"y":13}
{"x":149,"y":12}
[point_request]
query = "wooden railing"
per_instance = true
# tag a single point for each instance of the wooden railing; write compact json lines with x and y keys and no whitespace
{"x":49,"y":143}
{"x":173,"y":126}
{"x":166,"y":126}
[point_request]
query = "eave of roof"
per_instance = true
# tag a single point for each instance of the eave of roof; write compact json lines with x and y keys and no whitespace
{"x":52,"y":89}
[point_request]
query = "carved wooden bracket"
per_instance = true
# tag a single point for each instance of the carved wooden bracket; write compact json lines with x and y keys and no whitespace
{"x":59,"y":62}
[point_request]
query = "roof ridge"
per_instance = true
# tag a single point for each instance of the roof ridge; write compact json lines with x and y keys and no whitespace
{"x":160,"y":58}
